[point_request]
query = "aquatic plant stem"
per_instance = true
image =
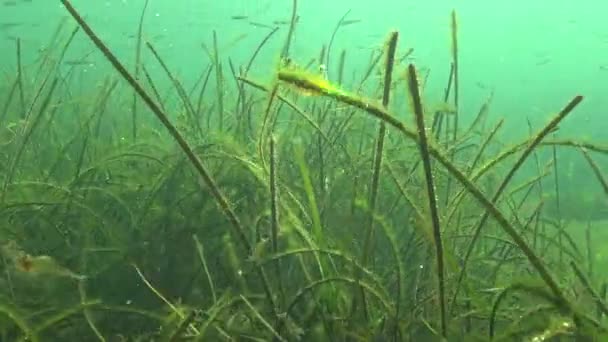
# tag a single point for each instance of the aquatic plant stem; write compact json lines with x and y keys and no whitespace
{"x":481,"y":116}
{"x":153,"y":87}
{"x":596,"y":169}
{"x":455,"y":202}
{"x":430,"y":187}
{"x":327,"y":58}
{"x":454,"y":29}
{"x":557,"y":202}
{"x":201,"y":255}
{"x":140,"y":28}
{"x":292,"y":27}
{"x":541,"y":192}
{"x":178,"y":311}
{"x":601,"y":305}
{"x":85,"y":310}
{"x":180,"y":90}
{"x":438,"y":116}
{"x":274,"y":212}
{"x":15,"y":317}
{"x":368,"y":245}
{"x":9,"y":100}
{"x":376,"y":167}
{"x":20,"y":80}
{"x":219,"y":197}
{"x":26,"y":134}
{"x":246,"y":72}
{"x":264,"y":322}
{"x":219,"y":82}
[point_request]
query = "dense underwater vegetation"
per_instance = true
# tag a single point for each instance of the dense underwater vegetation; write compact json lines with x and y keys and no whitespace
{"x":307,"y":204}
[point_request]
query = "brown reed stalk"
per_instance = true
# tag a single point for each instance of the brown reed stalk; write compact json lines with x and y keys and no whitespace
{"x":368,"y":245}
{"x":430,"y":187}
{"x":391,"y":47}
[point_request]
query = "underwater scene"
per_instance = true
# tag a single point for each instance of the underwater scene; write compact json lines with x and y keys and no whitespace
{"x":303,"y":170}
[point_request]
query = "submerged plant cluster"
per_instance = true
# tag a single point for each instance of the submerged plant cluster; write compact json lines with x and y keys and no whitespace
{"x":295,"y":210}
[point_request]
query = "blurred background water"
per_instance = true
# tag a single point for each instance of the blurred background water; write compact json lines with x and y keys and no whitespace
{"x":534,"y":56}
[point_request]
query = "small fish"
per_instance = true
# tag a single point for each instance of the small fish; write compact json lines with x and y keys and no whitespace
{"x":234,"y":41}
{"x":158,"y":37}
{"x":256,"y":24}
{"x":285,"y":22}
{"x":445,"y":108}
{"x":78,"y":62}
{"x":9,"y":25}
{"x":39,"y":265}
{"x":349,"y":22}
{"x":481,"y":85}
{"x":9,"y":3}
{"x":17,"y":126}
{"x":543,"y":62}
{"x":406,"y":55}
{"x":44,"y":265}
{"x":239,"y":17}
{"x":260,"y":250}
{"x":323,"y":71}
